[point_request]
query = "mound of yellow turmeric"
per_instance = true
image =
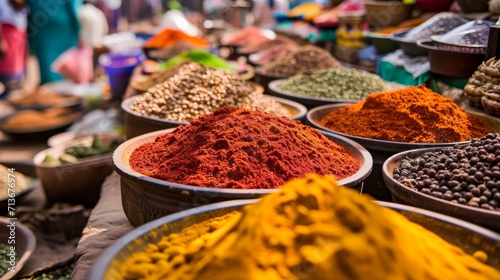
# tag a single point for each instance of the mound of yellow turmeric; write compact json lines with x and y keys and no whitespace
{"x":312,"y":229}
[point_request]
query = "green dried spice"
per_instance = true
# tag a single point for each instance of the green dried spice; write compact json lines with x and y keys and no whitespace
{"x":338,"y":83}
{"x":4,"y":259}
{"x":61,"y":273}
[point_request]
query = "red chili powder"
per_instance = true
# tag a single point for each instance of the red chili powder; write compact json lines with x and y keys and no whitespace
{"x":241,"y":149}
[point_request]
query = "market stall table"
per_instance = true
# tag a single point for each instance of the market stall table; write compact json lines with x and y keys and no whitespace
{"x":106,"y":224}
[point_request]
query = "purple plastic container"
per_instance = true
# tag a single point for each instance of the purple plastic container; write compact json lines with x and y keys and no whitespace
{"x":119,"y":69}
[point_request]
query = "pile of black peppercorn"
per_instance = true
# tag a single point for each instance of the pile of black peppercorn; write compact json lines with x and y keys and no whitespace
{"x":466,"y":174}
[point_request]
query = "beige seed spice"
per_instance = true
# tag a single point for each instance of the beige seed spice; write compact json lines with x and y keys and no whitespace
{"x":197,"y":90}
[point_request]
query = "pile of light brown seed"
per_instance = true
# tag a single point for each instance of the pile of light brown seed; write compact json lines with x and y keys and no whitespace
{"x":198,"y":90}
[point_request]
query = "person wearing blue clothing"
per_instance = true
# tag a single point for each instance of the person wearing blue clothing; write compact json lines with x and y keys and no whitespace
{"x":52,"y":29}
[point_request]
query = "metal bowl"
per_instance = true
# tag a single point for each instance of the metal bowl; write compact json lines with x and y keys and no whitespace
{"x":451,"y":63}
{"x":483,"y":217}
{"x":76,"y":183}
{"x":308,"y":101}
{"x":467,"y":236}
{"x":408,"y":46}
{"x":136,"y":124}
{"x":145,"y":198}
{"x":24,"y":246}
{"x":381,"y":150}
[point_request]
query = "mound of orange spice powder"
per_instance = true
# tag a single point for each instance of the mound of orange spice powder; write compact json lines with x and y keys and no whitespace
{"x":411,"y":115}
{"x":241,"y":149}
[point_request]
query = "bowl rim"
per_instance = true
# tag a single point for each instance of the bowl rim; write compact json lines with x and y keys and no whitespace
{"x":273,"y":86}
{"x":125,"y":105}
{"x":384,"y":145}
{"x":38,"y":158}
{"x":397,"y":188}
{"x":121,"y":157}
{"x":77,"y":101}
{"x":30,"y":246}
{"x":437,"y":39}
{"x":77,"y":115}
{"x":99,"y":268}
{"x":33,"y":184}
{"x":430,"y":45}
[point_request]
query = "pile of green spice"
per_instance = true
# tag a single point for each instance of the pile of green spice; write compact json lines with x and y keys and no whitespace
{"x":198,"y":56}
{"x":241,"y":149}
{"x":306,"y":59}
{"x":197,"y":90}
{"x":341,"y":83}
{"x":61,"y":273}
{"x":4,"y":259}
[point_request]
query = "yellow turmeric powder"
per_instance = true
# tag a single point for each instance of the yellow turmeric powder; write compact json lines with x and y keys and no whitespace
{"x":314,"y":229}
{"x":169,"y":250}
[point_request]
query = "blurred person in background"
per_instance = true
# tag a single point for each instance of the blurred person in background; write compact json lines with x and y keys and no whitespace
{"x":94,"y":25}
{"x":52,"y":29}
{"x":112,"y":9}
{"x":13,"y":44}
{"x":263,"y":11}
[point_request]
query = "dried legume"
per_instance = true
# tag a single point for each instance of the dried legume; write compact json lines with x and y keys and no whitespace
{"x":466,"y":174}
{"x":307,"y":59}
{"x":164,"y":254}
{"x":197,"y":90}
{"x":342,"y":83}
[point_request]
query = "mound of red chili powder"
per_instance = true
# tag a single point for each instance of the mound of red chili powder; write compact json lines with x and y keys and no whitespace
{"x":241,"y":149}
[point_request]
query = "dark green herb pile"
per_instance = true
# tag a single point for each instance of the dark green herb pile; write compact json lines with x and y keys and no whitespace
{"x":4,"y":265}
{"x":80,"y":151}
{"x":62,"y":273}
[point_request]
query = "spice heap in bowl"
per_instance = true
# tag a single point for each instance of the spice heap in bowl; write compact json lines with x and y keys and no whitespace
{"x":312,"y":228}
{"x":334,"y":84}
{"x":408,"y":115}
{"x":387,"y":123}
{"x":197,"y":90}
{"x":467,"y":174}
{"x":232,"y":153}
{"x":261,"y":46}
{"x":306,"y":59}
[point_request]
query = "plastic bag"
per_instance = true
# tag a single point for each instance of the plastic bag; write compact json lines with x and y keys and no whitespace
{"x":436,"y":25}
{"x":474,"y":33}
{"x":75,"y":64}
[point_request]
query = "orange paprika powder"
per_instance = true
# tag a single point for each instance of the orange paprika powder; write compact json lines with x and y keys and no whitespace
{"x":241,"y":149}
{"x":411,"y":115}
